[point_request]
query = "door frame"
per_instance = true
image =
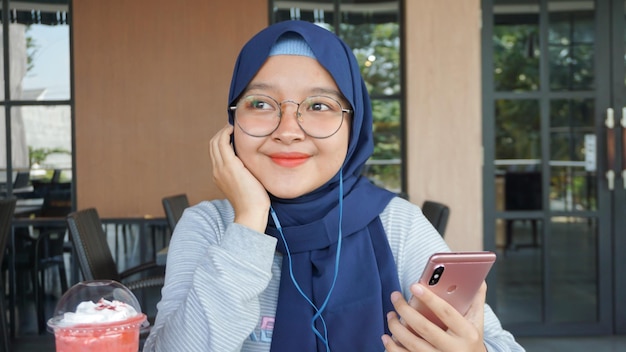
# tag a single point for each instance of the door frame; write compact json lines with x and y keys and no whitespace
{"x":618,"y":99}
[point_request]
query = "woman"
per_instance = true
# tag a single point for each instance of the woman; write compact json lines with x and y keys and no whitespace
{"x":304,"y":254}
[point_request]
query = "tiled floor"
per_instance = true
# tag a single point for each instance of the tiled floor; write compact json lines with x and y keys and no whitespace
{"x":27,"y":339}
{"x":574,"y":344}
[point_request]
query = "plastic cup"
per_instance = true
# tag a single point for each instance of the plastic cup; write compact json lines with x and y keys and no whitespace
{"x":112,"y":336}
{"x":119,"y":336}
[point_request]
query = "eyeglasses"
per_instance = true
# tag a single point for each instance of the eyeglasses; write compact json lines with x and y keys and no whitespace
{"x":318,"y":116}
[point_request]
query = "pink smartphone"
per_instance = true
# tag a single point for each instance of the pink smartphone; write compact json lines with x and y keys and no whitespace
{"x":455,"y":277}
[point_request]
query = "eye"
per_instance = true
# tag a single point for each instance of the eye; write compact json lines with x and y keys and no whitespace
{"x":321,"y":104}
{"x":259,"y":103}
{"x":318,"y":107}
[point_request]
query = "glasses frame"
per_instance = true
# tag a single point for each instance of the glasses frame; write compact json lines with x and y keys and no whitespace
{"x":298,"y":114}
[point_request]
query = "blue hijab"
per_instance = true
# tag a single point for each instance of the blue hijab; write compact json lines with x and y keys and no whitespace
{"x":354,"y":316}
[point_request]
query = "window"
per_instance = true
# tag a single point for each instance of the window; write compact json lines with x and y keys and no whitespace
{"x":372,"y":30}
{"x":35,"y":120}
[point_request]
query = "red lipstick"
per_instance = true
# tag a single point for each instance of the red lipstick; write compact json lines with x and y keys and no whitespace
{"x":289,"y":159}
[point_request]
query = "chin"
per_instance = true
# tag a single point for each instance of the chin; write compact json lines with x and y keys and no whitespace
{"x":287,"y":195}
{"x":286,"y":191}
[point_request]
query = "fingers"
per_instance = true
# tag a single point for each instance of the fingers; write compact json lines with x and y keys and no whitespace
{"x":429,"y":331}
{"x":245,"y":193}
{"x":438,"y":306}
{"x":406,"y":332}
{"x":391,"y":345}
{"x":464,"y":333}
{"x":224,"y":161}
{"x":218,"y":145}
{"x":476,"y":312}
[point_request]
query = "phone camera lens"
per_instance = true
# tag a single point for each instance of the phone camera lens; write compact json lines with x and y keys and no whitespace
{"x":434,"y":279}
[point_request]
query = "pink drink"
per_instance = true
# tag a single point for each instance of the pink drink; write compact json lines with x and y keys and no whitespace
{"x":118,"y":336}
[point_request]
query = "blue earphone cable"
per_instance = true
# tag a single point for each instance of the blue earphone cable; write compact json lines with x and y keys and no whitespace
{"x":318,"y":311}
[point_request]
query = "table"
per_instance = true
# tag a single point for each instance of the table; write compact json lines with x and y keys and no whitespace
{"x":27,"y":206}
{"x":15,"y":224}
{"x":149,"y":229}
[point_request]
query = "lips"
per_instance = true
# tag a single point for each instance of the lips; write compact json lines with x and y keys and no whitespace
{"x":289,"y":159}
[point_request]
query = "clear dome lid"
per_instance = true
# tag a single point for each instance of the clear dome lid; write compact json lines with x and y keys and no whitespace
{"x":105,"y":295}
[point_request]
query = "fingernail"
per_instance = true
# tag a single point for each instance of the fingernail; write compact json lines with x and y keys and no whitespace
{"x":385,"y":339}
{"x":417,"y":289}
{"x":395,"y":296}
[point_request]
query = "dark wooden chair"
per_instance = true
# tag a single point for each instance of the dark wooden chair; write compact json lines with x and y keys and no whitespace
{"x":50,"y":247}
{"x":95,"y":258}
{"x":56,"y":176}
{"x":21,"y":186}
{"x":174,"y":207}
{"x":523,"y":192}
{"x":7,"y":207}
{"x":437,"y":213}
{"x":22,"y":180}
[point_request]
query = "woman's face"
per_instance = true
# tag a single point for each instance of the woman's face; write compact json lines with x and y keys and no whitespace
{"x":288,"y":162}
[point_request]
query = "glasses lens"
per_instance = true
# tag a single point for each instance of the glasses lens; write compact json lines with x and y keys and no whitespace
{"x":257,"y":115}
{"x":320,"y":116}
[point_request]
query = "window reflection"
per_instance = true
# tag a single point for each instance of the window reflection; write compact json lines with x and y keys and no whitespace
{"x":372,"y":30}
{"x":316,"y":11}
{"x":545,"y":179}
{"x":516,"y":51}
{"x":48,"y":136}
{"x":520,"y":283}
{"x":49,"y":70}
{"x":39,"y":81}
{"x":39,"y":50}
{"x":517,"y":130}
{"x":571,"y":45}
{"x":573,"y":272}
{"x":572,"y":181}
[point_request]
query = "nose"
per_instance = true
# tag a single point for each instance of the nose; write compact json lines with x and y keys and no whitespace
{"x":288,"y":128}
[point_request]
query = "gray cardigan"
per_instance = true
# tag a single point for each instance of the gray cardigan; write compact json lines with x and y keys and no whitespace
{"x":222,"y":280}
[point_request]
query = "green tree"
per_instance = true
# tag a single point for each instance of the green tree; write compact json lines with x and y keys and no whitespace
{"x":39,"y":155}
{"x":377,"y":49}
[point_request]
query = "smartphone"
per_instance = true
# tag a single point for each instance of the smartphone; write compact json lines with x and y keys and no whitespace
{"x":455,"y":277}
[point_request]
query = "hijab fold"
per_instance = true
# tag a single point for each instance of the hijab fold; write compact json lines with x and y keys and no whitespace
{"x":355,"y":316}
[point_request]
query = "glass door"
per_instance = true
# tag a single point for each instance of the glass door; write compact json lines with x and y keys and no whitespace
{"x":554,"y":189}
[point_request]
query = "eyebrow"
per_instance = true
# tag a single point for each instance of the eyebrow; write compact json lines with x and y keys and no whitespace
{"x":314,"y":91}
{"x":260,"y":86}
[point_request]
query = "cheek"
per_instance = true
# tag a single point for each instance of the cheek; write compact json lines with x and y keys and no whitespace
{"x":245,"y":147}
{"x":335,"y":152}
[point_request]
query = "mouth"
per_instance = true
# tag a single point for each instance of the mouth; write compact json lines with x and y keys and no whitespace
{"x":289,"y":159}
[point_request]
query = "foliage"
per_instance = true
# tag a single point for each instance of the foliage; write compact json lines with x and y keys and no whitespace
{"x":38,"y":155}
{"x":376,"y":45}
{"x":517,"y":129}
{"x":377,"y":49}
{"x":516,"y":58}
{"x":31,"y":50}
{"x":518,"y":117}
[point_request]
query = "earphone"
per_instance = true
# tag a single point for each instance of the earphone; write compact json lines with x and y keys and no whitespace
{"x":318,"y":310}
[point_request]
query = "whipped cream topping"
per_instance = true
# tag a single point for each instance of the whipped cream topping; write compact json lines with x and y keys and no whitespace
{"x":102,"y":312}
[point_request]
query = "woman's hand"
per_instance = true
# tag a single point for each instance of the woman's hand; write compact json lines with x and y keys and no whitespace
{"x":246,"y":194}
{"x":416,"y":333}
